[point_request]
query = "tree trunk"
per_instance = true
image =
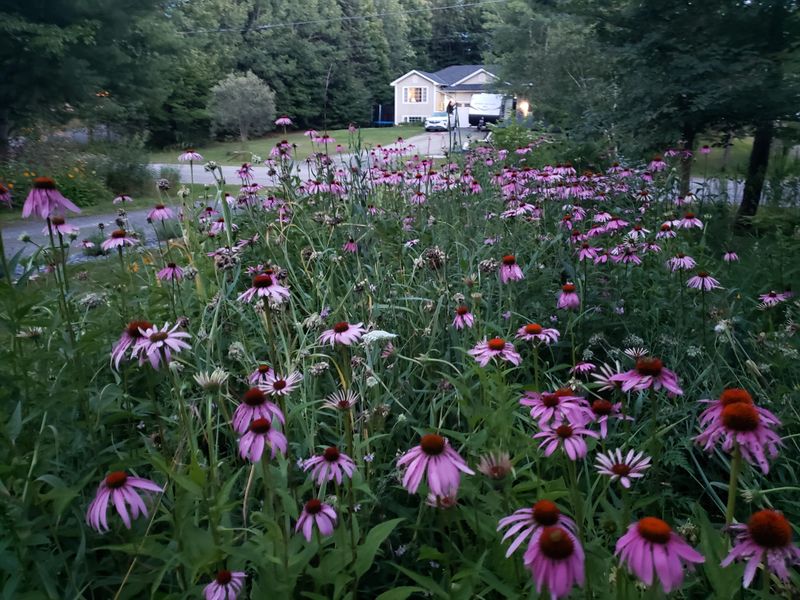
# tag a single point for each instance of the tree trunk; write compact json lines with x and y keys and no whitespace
{"x":686,"y":161}
{"x":756,"y":171}
{"x":4,"y":130}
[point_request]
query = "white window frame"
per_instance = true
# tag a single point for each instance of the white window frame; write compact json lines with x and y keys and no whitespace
{"x":416,"y":119}
{"x":424,"y":94}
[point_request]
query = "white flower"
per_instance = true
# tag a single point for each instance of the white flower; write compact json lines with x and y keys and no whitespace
{"x":378,"y":335}
{"x":213,"y":381}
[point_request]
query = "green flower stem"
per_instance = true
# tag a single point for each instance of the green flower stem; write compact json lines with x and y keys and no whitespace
{"x":736,"y":467}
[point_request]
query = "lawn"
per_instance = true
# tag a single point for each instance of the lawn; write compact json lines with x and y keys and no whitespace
{"x":235,"y":152}
{"x":734,"y":163}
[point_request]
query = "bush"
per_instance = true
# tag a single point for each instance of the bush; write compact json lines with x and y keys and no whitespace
{"x":124,"y":168}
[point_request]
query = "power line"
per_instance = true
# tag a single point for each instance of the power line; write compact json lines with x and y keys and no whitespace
{"x":341,"y":19}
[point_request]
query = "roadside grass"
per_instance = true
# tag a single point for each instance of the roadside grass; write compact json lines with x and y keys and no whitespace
{"x":236,"y":152}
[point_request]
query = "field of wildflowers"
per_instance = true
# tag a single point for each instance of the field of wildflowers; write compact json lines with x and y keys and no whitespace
{"x":479,"y":378}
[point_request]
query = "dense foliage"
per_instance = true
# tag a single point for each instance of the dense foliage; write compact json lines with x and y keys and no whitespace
{"x":407,"y":249}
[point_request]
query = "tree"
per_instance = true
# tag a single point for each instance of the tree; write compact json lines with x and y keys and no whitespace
{"x":242,"y":103}
{"x":65,"y":58}
{"x":553,"y":59}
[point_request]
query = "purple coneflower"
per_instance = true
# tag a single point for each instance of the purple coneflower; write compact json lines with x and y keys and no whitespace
{"x":330,"y":465}
{"x":189,"y":155}
{"x":226,"y":586}
{"x":343,"y":333}
{"x":741,"y":425}
{"x":569,"y":437}
{"x":245,"y":172}
{"x":260,"y":432}
{"x":666,"y":232}
{"x":255,"y":405}
{"x":130,"y":336}
{"x":533,"y":332}
{"x":120,"y":488}
{"x":316,"y":513}
{"x":283,"y":121}
{"x":525,"y":522}
{"x":556,"y":407}
{"x":703,"y":281}
{"x":555,"y":559}
{"x":486,"y":350}
{"x":435,"y":457}
{"x":509,"y":269}
{"x":603,"y":410}
{"x":657,"y":164}
{"x":171,"y":272}
{"x":622,"y":468}
{"x":277,"y":385}
{"x":463,"y":317}
{"x":122,"y":199}
{"x":681,"y":262}
{"x":44,"y":200}
{"x":160,"y":212}
{"x":568,"y":299}
{"x":265,"y":285}
{"x":587,"y":252}
{"x":705,"y":149}
{"x":772,"y":298}
{"x":583,"y":368}
{"x":651,"y":550}
{"x":689,"y":221}
{"x":118,"y":239}
{"x":765,"y":540}
{"x":260,"y":374}
{"x":350,"y":246}
{"x":649,"y":372}
{"x":730,"y":256}
{"x":157,"y":344}
{"x":60,"y":226}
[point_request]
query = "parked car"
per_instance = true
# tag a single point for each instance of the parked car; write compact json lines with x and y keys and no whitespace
{"x":438,"y":121}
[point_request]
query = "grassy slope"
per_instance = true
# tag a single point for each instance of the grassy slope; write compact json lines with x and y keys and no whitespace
{"x":236,"y":152}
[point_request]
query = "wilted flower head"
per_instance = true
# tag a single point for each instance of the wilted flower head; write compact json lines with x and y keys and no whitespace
{"x":495,"y":465}
{"x":213,"y":381}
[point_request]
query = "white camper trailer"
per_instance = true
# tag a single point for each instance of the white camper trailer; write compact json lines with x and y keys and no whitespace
{"x":488,"y":108}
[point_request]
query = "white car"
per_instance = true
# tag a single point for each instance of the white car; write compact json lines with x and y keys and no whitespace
{"x":438,"y":121}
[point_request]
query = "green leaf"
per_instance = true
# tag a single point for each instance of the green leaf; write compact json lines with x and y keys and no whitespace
{"x":14,"y":425}
{"x":366,"y":552}
{"x":426,"y":582}
{"x":400,"y":593}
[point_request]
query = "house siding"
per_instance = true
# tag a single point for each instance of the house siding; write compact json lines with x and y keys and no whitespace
{"x":421,"y":109}
{"x":479,"y":77}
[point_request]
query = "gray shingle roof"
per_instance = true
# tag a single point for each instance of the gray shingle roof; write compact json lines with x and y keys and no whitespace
{"x":450,"y":75}
{"x":433,"y":76}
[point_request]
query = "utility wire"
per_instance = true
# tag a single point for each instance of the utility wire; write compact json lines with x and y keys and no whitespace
{"x":341,"y":19}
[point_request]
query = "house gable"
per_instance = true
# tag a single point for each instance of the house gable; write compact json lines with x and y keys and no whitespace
{"x":428,"y":76}
{"x":479,"y":76}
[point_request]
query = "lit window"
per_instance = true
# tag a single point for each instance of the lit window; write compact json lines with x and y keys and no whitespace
{"x":415,"y":95}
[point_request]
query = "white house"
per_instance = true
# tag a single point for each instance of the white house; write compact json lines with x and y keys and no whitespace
{"x":418,"y":94}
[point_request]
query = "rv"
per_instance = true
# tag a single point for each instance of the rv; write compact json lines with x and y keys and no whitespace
{"x":488,"y":108}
